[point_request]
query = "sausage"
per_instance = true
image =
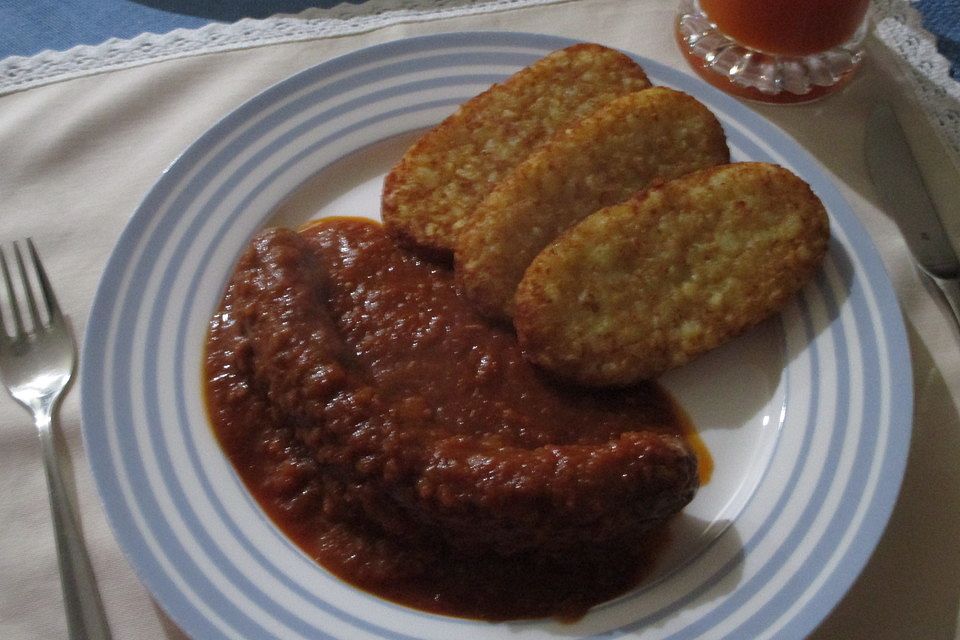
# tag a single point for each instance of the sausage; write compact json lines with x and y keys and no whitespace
{"x":336,"y":344}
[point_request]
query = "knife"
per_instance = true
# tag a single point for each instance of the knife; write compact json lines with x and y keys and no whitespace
{"x":893,"y":169}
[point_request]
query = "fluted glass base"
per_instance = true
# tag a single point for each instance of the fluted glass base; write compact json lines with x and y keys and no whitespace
{"x":762,"y":76}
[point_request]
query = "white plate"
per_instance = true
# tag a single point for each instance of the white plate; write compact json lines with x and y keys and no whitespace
{"x":808,"y":417}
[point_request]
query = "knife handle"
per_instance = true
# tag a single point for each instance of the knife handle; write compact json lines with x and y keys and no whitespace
{"x":950,"y":288}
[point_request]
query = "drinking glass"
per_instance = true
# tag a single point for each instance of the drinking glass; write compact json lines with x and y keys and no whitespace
{"x":774,"y":50}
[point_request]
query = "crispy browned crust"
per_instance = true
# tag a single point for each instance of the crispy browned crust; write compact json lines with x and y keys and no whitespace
{"x":448,"y":171}
{"x":603,"y":159}
{"x":647,"y":285}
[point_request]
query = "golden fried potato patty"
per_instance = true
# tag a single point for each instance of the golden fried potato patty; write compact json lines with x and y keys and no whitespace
{"x":449,"y":170}
{"x":647,"y":285}
{"x":603,"y":159}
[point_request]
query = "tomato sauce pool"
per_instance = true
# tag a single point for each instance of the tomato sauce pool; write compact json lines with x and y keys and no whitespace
{"x":408,"y":447}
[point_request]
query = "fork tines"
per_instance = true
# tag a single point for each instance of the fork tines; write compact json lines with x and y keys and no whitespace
{"x":15,"y":314}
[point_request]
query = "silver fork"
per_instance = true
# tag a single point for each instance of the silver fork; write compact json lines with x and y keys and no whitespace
{"x":36,"y":364}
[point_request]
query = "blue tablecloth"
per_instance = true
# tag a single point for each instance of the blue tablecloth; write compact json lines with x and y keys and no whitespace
{"x":31,"y":26}
{"x":942,"y":18}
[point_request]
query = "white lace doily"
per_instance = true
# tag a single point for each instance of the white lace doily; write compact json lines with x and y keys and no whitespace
{"x":898,"y":26}
{"x":18,"y":73}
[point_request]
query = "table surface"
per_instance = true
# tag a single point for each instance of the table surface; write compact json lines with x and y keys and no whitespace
{"x":82,"y":152}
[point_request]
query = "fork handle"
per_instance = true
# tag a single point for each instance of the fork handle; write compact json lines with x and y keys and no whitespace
{"x":86,"y":619}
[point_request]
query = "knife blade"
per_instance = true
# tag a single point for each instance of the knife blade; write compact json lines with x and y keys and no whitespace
{"x":895,"y":173}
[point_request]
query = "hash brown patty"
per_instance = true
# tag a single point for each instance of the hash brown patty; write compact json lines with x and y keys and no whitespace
{"x":624,"y":146}
{"x":647,"y":285}
{"x":448,"y":171}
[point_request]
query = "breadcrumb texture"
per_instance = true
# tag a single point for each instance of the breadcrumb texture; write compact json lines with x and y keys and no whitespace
{"x":624,"y":146}
{"x":448,"y":171}
{"x":644,"y":286}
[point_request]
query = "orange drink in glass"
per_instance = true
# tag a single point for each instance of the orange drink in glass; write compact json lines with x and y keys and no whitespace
{"x":773,"y":50}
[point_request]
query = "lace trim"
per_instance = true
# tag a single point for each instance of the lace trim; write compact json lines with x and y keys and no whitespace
{"x":899,"y":26}
{"x":18,"y":72}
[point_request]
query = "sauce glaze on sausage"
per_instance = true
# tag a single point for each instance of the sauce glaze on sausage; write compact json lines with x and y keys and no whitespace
{"x":407,"y":445}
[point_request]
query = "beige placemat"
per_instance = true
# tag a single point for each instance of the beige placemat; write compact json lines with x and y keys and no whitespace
{"x":80,"y":154}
